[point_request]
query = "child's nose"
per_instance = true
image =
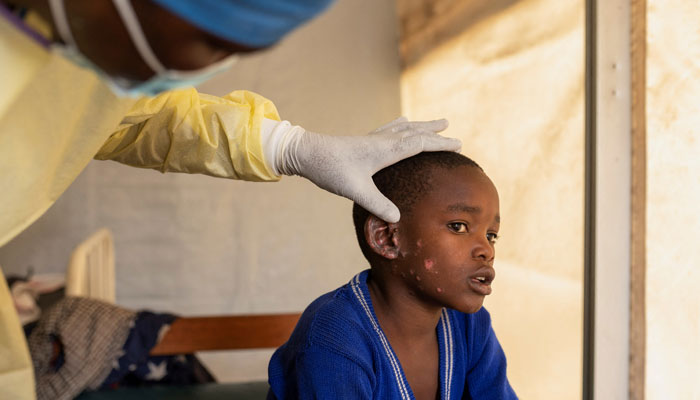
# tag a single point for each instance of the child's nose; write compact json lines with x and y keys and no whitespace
{"x":483,"y":249}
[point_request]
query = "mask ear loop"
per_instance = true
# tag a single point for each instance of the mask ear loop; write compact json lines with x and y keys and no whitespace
{"x":130,"y":20}
{"x":60,"y":19}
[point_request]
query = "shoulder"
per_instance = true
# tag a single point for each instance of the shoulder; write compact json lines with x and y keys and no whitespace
{"x":334,"y":323}
{"x":328,"y":353}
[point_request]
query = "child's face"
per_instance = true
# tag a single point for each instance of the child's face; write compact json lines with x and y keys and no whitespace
{"x":447,"y":243}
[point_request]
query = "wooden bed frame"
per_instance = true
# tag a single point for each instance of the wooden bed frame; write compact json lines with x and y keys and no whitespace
{"x":191,"y":334}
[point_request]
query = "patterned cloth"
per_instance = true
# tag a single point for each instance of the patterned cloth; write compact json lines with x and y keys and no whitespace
{"x":90,"y":335}
{"x":85,"y":344}
{"x":136,"y":367}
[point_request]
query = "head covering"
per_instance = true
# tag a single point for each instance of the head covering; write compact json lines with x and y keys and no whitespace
{"x":253,"y":23}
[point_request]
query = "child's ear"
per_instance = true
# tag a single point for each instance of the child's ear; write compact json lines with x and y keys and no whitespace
{"x":382,"y":237}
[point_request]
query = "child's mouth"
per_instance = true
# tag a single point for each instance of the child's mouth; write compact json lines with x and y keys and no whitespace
{"x":481,"y":285}
{"x":480,"y":282}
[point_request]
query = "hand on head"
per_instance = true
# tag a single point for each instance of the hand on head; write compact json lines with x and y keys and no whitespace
{"x":344,"y":165}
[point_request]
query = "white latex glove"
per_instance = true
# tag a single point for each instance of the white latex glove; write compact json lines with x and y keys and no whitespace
{"x":344,"y":165}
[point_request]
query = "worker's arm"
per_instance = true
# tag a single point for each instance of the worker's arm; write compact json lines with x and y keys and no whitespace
{"x":186,"y":131}
{"x":240,"y":136}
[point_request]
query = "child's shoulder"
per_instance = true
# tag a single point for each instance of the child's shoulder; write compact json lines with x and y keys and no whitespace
{"x":332,"y":315}
{"x":331,"y":341}
{"x":335,"y":322}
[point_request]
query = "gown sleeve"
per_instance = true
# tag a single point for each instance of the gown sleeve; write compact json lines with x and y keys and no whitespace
{"x":187,"y":131}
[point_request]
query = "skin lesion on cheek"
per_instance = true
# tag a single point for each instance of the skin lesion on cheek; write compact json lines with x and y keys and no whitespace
{"x":415,"y":275}
{"x":429,"y":265}
{"x":418,"y":248}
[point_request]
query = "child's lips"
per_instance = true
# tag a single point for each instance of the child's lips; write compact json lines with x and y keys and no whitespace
{"x":482,"y":288}
{"x":481,"y":280}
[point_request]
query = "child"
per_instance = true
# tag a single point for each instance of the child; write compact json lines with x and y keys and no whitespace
{"x":412,"y":326}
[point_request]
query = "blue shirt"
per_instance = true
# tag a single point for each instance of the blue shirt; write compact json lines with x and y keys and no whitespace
{"x":339,"y":351}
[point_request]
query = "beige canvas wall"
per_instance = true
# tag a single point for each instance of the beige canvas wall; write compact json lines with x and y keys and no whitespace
{"x":199,"y":245}
{"x":673,"y":225}
{"x":512,"y":88}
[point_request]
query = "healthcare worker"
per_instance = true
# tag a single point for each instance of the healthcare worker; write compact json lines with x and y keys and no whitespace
{"x":112,"y":79}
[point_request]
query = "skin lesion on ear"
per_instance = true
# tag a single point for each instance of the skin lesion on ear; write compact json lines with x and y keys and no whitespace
{"x":382,"y":237}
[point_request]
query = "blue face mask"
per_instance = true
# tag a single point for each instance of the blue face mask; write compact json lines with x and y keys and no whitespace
{"x":164,"y":79}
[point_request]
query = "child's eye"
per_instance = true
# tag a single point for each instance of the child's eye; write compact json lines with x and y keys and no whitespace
{"x":458,"y":227}
{"x":492,"y":237}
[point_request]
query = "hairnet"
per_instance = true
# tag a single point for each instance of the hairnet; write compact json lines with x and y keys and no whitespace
{"x":254,"y":23}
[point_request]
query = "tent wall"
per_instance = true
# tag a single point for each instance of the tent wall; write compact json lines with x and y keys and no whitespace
{"x":673,"y":196}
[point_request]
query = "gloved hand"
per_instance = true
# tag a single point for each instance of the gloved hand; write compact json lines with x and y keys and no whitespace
{"x":344,"y":165}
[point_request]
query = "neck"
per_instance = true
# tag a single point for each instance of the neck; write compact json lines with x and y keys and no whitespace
{"x":399,"y":309}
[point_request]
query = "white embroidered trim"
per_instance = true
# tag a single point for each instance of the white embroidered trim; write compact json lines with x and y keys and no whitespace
{"x":449,"y":352}
{"x":447,"y":334}
{"x":385,"y":343}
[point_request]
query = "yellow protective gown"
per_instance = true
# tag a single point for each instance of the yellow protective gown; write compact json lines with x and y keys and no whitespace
{"x":55,"y":117}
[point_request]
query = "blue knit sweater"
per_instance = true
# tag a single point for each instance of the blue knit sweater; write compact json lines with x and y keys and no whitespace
{"x":339,"y":351}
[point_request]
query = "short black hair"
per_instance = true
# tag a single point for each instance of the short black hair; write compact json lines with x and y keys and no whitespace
{"x":404,"y":182}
